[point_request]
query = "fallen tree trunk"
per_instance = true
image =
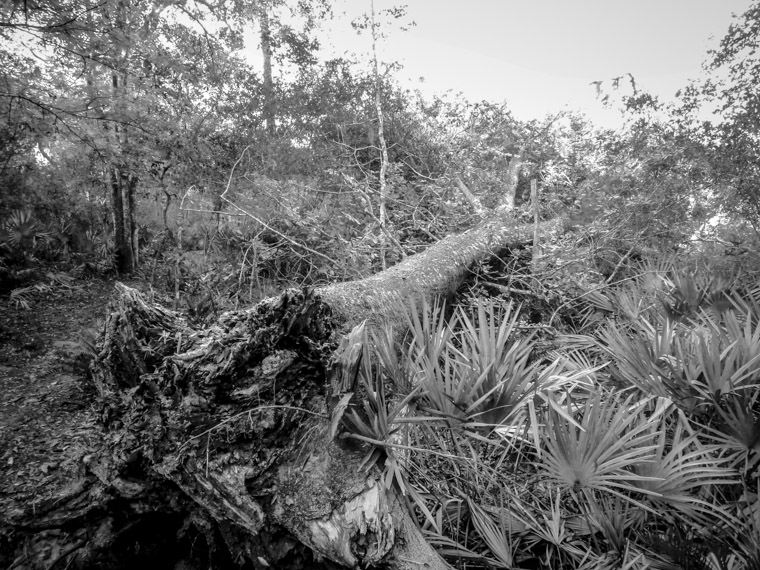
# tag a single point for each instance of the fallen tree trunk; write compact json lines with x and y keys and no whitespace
{"x":227,"y":433}
{"x":437,"y":272}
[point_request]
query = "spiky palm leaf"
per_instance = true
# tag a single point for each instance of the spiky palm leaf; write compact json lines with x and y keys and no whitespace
{"x":548,"y":525}
{"x":498,"y":534}
{"x":721,"y":355}
{"x":683,"y":471}
{"x":613,"y":437}
{"x":476,"y":378}
{"x":631,"y":559}
{"x":737,"y":430}
{"x":614,"y":518}
{"x":500,"y":378}
{"x":644,"y":355}
{"x":20,"y":228}
{"x":749,"y":535}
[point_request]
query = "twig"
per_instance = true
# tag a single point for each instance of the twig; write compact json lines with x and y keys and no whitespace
{"x":208,"y":448}
{"x":244,"y":412}
{"x":621,"y":262}
{"x":595,"y":289}
{"x":371,"y":212}
{"x":505,"y":289}
{"x":65,"y":553}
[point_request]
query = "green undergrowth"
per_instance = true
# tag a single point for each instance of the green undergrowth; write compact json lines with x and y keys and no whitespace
{"x":631,"y":442}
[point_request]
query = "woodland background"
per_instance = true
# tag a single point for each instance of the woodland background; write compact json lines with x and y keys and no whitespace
{"x":142,"y":129}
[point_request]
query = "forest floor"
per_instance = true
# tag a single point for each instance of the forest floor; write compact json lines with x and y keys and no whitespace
{"x":48,"y":424}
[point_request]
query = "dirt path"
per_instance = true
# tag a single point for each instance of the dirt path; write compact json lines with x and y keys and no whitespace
{"x":47,"y":419}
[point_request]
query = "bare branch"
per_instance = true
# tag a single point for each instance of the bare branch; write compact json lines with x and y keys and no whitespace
{"x":262,"y":222}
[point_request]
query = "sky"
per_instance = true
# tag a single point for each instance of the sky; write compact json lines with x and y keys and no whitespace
{"x":540,"y":56}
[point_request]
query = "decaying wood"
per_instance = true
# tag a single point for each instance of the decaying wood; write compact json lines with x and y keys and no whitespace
{"x":229,"y":426}
{"x":236,"y":417}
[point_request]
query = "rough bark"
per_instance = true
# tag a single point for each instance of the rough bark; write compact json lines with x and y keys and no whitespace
{"x":225,"y":433}
{"x":122,"y":177}
{"x":121,"y":222}
{"x":122,"y":207}
{"x":383,"y":298}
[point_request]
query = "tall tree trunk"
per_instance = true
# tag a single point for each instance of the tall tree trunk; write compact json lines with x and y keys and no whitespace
{"x":122,"y":206}
{"x":130,"y":219}
{"x":266,"y":50}
{"x":383,"y":192}
{"x":121,"y":209}
{"x":231,"y":430}
{"x":123,"y":182}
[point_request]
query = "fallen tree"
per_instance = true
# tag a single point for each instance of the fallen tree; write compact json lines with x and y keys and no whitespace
{"x":230,"y":434}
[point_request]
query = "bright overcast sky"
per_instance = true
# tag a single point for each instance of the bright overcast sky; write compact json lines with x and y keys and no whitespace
{"x":541,"y":55}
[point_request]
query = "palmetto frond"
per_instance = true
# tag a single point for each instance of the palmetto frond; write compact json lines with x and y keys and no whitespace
{"x":473,"y":369}
{"x":598,"y":454}
{"x":749,"y":531}
{"x":615,"y":518}
{"x":747,"y":303}
{"x":692,"y":364}
{"x":583,"y":471}
{"x":498,"y":534}
{"x":539,"y":525}
{"x":682,"y":471}
{"x":630,"y":560}
{"x":20,"y":228}
{"x":737,"y":430}
{"x":500,"y":378}
{"x":645,"y":354}
{"x":690,"y":292}
{"x":724,"y":355}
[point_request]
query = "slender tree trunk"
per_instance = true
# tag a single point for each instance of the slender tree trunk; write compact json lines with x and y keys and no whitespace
{"x":130,"y":222}
{"x":122,"y":220}
{"x":266,"y":50}
{"x":536,"y":216}
{"x":123,"y":182}
{"x":122,"y":207}
{"x":383,"y":196}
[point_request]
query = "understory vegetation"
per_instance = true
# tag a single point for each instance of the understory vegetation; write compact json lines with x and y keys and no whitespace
{"x":629,"y":441}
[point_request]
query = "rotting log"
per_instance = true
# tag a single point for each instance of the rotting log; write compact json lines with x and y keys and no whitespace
{"x":224,"y":432}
